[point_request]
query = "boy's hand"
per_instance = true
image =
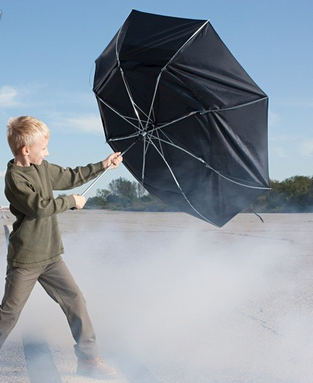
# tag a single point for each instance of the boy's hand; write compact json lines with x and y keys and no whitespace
{"x":80,"y":201}
{"x":113,"y":160}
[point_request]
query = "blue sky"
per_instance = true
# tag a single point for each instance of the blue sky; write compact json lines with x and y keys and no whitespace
{"x":47,"y":55}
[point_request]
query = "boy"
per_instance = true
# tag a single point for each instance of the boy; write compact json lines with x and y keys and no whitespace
{"x":35,"y":245}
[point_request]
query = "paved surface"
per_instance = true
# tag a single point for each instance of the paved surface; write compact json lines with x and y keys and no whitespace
{"x":175,"y":300}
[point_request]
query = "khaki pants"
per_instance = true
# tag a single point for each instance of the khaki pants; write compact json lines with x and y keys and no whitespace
{"x":61,"y":287}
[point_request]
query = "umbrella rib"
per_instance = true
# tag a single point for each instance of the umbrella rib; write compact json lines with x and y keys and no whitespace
{"x":209,"y":166}
{"x":127,"y":119}
{"x":177,"y":183}
{"x":185,"y":43}
{"x":168,"y":63}
{"x":146,"y":143}
{"x":190,"y":114}
{"x":126,"y":84}
{"x":116,"y":112}
{"x":131,"y":98}
{"x":161,"y":126}
{"x":139,"y":132}
{"x":143,"y":161}
{"x":235,"y":106}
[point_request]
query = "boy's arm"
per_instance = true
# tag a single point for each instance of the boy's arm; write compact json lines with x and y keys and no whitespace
{"x":29,"y":202}
{"x":68,"y":178}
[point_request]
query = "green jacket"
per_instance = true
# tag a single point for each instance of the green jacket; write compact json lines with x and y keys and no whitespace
{"x":36,"y":239}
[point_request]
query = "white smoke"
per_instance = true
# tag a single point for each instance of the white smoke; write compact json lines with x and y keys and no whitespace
{"x":191,"y":302}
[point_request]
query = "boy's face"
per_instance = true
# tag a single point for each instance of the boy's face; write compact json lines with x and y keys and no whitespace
{"x":38,"y":151}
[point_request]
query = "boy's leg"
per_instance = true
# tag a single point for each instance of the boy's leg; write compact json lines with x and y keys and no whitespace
{"x":60,"y":285}
{"x":18,"y":286}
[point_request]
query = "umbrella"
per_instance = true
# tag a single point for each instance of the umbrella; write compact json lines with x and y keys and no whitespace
{"x":191,"y":122}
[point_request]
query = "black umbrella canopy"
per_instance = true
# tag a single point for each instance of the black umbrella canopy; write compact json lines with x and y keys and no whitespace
{"x":191,"y":122}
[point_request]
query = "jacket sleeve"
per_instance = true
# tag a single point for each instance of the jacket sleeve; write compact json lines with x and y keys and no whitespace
{"x":25,"y":199}
{"x":68,"y":178}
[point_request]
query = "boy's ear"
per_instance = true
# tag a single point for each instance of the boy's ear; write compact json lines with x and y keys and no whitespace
{"x":25,"y":150}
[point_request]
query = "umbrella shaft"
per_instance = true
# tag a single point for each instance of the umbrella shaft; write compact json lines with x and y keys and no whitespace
{"x":96,"y":180}
{"x":108,"y":168}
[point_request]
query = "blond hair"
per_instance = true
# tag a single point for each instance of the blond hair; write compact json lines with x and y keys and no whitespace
{"x":25,"y":131}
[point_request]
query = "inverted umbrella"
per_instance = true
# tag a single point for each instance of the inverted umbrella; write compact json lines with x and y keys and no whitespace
{"x":190,"y":121}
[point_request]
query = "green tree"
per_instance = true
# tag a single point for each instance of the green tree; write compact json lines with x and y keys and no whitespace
{"x":103,"y":193}
{"x":123,"y":188}
{"x":100,"y":200}
{"x":294,"y":194}
{"x":299,"y":193}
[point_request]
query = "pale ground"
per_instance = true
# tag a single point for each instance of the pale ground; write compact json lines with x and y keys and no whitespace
{"x":176,"y":300}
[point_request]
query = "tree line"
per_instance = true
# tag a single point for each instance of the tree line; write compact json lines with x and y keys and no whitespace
{"x":123,"y":194}
{"x":294,"y":194}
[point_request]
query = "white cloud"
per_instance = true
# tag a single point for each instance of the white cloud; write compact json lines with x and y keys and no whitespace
{"x":2,"y":173}
{"x":8,"y":97}
{"x":87,"y":123}
{"x":13,"y":97}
